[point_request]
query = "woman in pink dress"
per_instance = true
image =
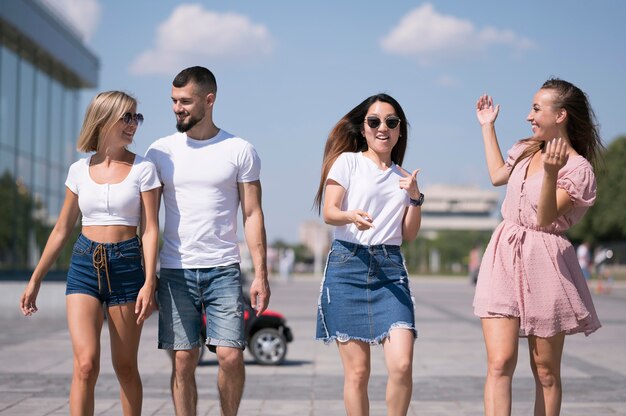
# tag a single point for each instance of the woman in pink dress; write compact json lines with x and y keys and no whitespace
{"x":530,"y":283}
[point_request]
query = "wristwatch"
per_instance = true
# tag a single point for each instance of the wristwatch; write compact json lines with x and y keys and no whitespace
{"x":417,"y":202}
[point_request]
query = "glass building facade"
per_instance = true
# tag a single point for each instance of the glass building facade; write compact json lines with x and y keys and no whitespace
{"x":43,"y":67}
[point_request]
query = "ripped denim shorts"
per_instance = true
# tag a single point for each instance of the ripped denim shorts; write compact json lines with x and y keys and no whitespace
{"x":364,"y":294}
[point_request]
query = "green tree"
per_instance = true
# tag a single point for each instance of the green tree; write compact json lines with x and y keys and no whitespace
{"x":606,"y":220}
{"x":16,"y":205}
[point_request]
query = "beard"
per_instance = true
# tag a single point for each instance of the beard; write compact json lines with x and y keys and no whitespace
{"x":185,"y":126}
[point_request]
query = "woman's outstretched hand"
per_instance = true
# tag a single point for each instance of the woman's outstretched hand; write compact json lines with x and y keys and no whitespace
{"x":485,"y":111}
{"x":555,"y":155}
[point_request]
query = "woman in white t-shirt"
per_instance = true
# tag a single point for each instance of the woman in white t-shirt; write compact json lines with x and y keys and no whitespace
{"x":116,"y":191}
{"x":374,"y":204}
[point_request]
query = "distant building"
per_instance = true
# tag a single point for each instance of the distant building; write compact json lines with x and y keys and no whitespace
{"x":43,"y":66}
{"x":453,"y":207}
{"x":316,"y":236}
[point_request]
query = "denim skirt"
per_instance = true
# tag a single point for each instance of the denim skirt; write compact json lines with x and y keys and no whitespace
{"x":364,"y":294}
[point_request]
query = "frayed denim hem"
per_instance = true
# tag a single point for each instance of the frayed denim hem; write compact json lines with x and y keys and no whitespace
{"x":339,"y":337}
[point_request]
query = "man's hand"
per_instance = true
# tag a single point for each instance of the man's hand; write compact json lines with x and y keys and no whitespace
{"x":259,"y":294}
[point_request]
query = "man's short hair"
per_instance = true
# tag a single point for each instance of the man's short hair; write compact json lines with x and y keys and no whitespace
{"x":201,"y":76}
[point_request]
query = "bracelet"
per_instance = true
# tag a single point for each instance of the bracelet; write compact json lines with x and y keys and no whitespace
{"x":417,"y":202}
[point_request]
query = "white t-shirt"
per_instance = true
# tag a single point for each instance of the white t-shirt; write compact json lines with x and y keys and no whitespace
{"x":374,"y":191}
{"x":201,"y":197}
{"x":111,"y":203}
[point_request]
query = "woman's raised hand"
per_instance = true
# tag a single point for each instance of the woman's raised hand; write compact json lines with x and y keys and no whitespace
{"x":555,"y":155}
{"x":485,"y":111}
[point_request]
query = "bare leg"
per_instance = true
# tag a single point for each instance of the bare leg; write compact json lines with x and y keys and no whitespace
{"x":355,"y":356}
{"x":501,"y":339}
{"x":183,"y":382}
{"x":399,"y":360}
{"x":545,"y":361}
{"x":231,"y":377}
{"x":84,"y":319}
{"x":125,"y":335}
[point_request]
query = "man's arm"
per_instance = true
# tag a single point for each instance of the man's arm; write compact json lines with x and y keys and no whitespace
{"x":254,"y":229}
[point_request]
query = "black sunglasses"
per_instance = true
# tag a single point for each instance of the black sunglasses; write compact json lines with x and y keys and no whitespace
{"x":129,"y":118}
{"x":391,"y":122}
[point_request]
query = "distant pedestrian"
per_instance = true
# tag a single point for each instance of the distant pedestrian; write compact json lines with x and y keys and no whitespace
{"x":115,"y":190}
{"x":475,"y":257}
{"x":374,"y":204}
{"x":530,"y":284}
{"x":583,"y":253}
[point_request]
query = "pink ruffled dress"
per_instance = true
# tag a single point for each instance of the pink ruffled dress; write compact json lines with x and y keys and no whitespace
{"x":532,"y":272}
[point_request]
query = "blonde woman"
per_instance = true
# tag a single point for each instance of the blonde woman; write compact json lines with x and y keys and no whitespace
{"x":116,"y":191}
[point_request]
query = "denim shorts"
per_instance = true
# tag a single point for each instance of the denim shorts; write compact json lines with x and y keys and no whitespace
{"x":184,"y":295}
{"x":111,"y":272}
{"x":364,"y":294}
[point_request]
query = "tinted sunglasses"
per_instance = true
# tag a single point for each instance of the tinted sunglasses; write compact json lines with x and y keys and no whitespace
{"x":129,"y":118}
{"x":391,"y":122}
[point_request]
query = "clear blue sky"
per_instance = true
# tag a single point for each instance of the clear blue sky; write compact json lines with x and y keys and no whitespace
{"x":288,"y":70}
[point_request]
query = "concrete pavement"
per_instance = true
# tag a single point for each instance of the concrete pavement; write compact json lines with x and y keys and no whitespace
{"x":449,"y":364}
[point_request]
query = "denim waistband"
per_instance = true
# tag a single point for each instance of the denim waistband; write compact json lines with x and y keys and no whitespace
{"x":120,"y":244}
{"x":374,"y":248}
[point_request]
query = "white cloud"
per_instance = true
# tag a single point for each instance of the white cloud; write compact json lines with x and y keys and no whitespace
{"x":82,"y":15}
{"x":193,"y":36}
{"x":432,"y":37}
{"x":447,"y":81}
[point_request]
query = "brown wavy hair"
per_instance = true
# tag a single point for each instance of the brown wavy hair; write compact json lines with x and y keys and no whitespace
{"x":346,"y":136}
{"x":581,"y":123}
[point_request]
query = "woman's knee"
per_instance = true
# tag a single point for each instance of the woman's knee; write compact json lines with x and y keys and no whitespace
{"x":547,"y":376}
{"x":86,"y":369}
{"x":502,"y":366}
{"x":401,"y":367}
{"x":357,"y":375}
{"x":126,"y":370}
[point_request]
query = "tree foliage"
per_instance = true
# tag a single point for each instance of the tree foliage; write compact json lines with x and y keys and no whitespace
{"x":606,"y":220}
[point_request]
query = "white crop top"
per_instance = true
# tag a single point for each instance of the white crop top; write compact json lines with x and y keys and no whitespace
{"x":112,"y":203}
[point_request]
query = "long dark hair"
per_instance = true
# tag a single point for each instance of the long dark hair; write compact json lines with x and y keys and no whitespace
{"x":581,"y":123}
{"x":346,"y":136}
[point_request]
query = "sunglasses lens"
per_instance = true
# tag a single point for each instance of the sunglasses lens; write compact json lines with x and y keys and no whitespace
{"x":129,"y":119}
{"x":392,"y":123}
{"x":373,"y":122}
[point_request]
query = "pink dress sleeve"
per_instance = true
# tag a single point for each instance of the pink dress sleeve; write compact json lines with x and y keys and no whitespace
{"x":513,"y":153}
{"x":579,"y":182}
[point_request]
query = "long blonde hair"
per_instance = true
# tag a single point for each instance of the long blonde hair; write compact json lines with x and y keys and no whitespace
{"x":103,"y":112}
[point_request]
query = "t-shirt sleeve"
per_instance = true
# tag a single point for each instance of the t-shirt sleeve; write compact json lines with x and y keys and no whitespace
{"x":152,"y":154}
{"x":249,"y":165}
{"x":148,"y":178}
{"x":73,"y":175}
{"x":514,"y":153}
{"x":340,"y":171}
{"x":580,"y":184}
